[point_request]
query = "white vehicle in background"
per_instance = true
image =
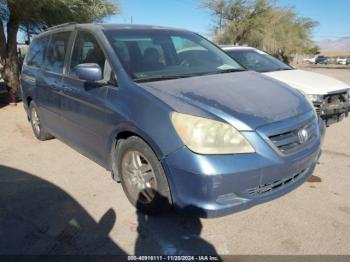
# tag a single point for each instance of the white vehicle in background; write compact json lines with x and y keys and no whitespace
{"x":331,"y":97}
{"x":310,"y":60}
{"x":341,"y":60}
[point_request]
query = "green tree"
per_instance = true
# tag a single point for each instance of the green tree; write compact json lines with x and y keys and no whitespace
{"x":34,"y":16}
{"x":261,"y":24}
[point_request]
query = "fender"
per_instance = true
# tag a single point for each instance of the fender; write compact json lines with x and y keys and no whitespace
{"x":130,"y":129}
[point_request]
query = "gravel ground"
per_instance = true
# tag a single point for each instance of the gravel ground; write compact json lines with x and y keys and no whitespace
{"x":55,"y":201}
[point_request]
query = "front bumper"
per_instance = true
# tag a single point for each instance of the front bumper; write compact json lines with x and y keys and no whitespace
{"x":217,"y":185}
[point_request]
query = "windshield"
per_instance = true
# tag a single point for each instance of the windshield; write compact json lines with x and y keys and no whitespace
{"x":257,"y":60}
{"x":152,"y":55}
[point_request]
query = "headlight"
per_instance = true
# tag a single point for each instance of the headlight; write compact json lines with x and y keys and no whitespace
{"x":315,"y":98}
{"x":206,"y":136}
{"x":308,"y":99}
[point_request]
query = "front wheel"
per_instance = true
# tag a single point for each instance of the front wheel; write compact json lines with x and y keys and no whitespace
{"x":142,"y":176}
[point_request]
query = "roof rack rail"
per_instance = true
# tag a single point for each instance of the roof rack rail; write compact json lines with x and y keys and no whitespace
{"x":61,"y":25}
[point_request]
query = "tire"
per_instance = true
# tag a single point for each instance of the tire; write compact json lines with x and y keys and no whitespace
{"x":38,"y":129}
{"x":142,"y":176}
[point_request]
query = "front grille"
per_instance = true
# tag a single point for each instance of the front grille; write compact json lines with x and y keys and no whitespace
{"x":289,"y":142}
{"x":276,"y":185}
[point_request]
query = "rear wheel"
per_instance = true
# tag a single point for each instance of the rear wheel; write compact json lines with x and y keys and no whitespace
{"x":142,"y":176}
{"x":38,"y":129}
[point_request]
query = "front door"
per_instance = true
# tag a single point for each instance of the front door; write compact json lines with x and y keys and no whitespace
{"x":84,"y":109}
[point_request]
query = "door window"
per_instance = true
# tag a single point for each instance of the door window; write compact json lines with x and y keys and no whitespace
{"x":56,"y":51}
{"x":87,"y":50}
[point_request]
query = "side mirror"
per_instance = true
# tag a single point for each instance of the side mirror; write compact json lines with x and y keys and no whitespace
{"x":88,"y":72}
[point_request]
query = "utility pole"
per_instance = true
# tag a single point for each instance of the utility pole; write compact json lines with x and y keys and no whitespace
{"x":131,"y":20}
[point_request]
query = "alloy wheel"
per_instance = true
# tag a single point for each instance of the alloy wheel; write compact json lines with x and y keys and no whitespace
{"x":35,"y":120}
{"x":140,"y":179}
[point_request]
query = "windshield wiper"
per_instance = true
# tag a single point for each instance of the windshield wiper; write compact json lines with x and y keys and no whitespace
{"x":275,"y":70}
{"x":229,"y":70}
{"x":284,"y":69}
{"x":160,"y":78}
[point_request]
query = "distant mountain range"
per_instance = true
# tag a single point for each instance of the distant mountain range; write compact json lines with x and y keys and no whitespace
{"x":342,"y":44}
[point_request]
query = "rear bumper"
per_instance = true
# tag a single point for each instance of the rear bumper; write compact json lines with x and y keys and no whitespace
{"x":213,"y":186}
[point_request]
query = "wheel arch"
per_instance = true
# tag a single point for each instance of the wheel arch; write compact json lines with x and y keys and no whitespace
{"x":26,"y":103}
{"x":28,"y":100}
{"x":123,"y":134}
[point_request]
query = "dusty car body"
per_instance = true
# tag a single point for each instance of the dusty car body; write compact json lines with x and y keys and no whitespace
{"x":181,"y":127}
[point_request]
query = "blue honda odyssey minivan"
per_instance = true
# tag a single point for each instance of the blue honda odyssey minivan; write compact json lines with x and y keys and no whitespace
{"x":175,"y":119}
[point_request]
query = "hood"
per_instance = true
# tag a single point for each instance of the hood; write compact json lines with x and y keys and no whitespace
{"x":247,"y":100}
{"x":309,"y":82}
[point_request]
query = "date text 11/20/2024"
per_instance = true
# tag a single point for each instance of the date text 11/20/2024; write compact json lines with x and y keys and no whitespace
{"x":174,"y":258}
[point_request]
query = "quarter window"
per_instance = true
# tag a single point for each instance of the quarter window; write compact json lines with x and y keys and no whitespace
{"x":35,"y":56}
{"x":56,"y":51}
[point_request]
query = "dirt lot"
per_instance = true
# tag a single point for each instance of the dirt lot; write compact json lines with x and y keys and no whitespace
{"x":54,"y":200}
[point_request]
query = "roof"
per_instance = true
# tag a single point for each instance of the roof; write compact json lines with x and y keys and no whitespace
{"x":111,"y":26}
{"x":136,"y":27}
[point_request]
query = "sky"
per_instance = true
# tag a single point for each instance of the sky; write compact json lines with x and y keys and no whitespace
{"x":333,"y":15}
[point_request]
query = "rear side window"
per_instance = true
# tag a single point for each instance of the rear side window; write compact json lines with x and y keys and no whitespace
{"x":86,"y":50}
{"x":36,"y":53}
{"x":56,"y":51}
